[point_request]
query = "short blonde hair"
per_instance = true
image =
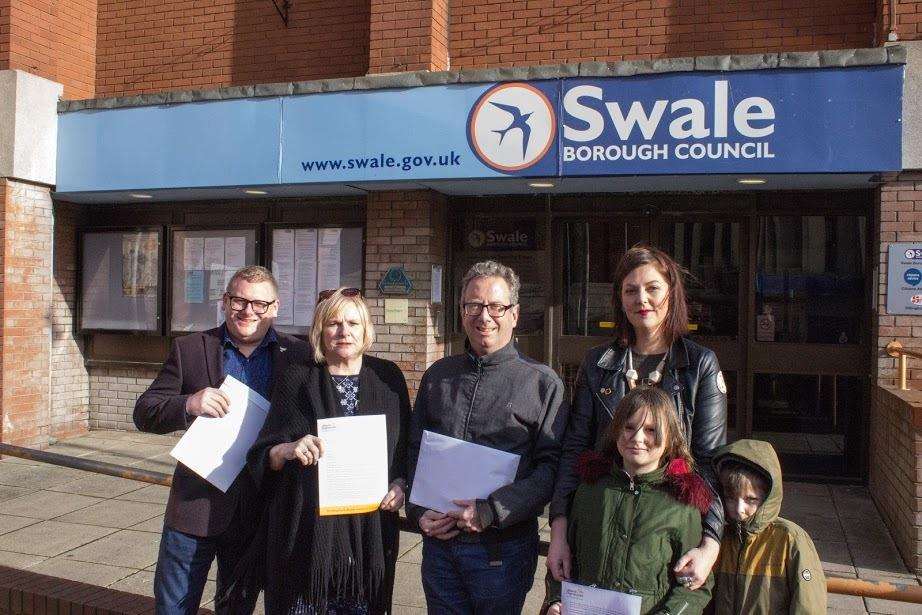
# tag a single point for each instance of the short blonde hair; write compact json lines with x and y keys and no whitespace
{"x":331,"y":307}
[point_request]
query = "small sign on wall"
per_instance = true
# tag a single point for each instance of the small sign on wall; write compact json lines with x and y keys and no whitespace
{"x":904,"y":278}
{"x":396,"y":311}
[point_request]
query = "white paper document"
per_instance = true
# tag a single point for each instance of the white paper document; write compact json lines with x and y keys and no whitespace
{"x":305,"y":295}
{"x":235,"y":252}
{"x":193,"y":253}
{"x":353,"y":470}
{"x":216,"y":448}
{"x":283,"y":245}
{"x":329,"y":254}
{"x":451,"y":469}
{"x":582,"y":600}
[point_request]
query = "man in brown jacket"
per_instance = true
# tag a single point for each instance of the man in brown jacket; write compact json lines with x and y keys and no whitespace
{"x":201,"y":522}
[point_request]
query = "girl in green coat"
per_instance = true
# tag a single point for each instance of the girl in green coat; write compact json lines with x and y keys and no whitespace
{"x":638,"y":509}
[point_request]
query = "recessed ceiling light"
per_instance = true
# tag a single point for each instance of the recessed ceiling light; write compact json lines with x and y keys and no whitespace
{"x":541,"y":184}
{"x":256,"y":192}
{"x":751,"y":181}
{"x":138,"y":195}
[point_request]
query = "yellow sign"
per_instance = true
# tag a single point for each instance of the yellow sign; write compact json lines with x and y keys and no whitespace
{"x":396,"y":311}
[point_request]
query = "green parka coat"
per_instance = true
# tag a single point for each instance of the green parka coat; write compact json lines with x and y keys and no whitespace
{"x":767,"y":565}
{"x":627,"y":535}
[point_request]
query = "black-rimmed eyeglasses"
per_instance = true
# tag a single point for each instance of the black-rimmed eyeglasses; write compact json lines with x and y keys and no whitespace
{"x":496,"y":310}
{"x":238,"y":304}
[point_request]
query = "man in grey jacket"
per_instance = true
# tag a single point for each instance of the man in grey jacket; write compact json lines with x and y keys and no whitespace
{"x":481,"y":557}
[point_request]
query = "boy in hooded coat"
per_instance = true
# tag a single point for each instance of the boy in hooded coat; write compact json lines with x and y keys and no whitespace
{"x":767,"y":564}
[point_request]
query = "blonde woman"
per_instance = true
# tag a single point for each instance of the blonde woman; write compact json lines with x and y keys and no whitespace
{"x":341,"y":564}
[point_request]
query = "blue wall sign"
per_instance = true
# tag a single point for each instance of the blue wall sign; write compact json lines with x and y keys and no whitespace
{"x":771,"y":121}
{"x":904,"y":273}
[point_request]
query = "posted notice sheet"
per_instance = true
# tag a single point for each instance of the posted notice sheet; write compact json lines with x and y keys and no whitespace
{"x":582,"y":600}
{"x":216,"y":448}
{"x":353,"y":470}
{"x":452,"y":469}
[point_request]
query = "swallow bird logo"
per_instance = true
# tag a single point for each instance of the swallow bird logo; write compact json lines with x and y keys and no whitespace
{"x":512,"y":126}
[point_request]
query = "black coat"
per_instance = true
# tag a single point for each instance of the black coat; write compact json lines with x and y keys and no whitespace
{"x":694,"y":380}
{"x":196,"y":361}
{"x":302,"y":395}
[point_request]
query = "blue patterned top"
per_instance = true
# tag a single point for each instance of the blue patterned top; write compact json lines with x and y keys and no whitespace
{"x":347,"y":391}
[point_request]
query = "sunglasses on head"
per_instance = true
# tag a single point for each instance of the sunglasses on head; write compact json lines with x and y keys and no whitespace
{"x":346,"y":292}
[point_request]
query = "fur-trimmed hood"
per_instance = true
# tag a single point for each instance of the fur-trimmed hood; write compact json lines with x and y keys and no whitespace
{"x":677,"y":477}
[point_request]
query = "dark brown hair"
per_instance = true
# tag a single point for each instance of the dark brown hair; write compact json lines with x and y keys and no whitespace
{"x":676,"y":321}
{"x":654,"y":400}
{"x":735,"y":477}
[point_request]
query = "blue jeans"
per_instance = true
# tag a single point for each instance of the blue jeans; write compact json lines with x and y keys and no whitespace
{"x":459,"y":580}
{"x":182,"y":568}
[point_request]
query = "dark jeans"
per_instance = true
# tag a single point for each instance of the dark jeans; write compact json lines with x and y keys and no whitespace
{"x":459,"y":580}
{"x":182,"y":568}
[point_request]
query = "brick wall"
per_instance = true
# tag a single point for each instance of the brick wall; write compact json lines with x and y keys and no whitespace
{"x":113,"y":392}
{"x":55,"y":39}
{"x":895,"y":474}
{"x":487,"y":33}
{"x":900,"y":220}
{"x":25,"y":300}
{"x":408,"y":229}
{"x":4,"y":34}
{"x":905,"y":20}
{"x":70,"y":388}
{"x":155,"y":46}
{"x":408,"y":35}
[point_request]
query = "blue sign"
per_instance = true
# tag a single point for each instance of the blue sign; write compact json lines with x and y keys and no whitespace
{"x":788,"y":121}
{"x":903,"y":278}
{"x":845,"y":120}
{"x":395,"y":282}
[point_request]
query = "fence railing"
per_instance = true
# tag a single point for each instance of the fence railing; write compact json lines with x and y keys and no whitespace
{"x":886,"y":590}
{"x":896,"y":350}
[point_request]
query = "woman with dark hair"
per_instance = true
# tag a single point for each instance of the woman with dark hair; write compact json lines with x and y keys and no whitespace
{"x":651,"y":319}
{"x":335,"y":564}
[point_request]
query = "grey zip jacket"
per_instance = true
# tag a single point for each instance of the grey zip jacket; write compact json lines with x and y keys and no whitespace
{"x":506,"y":401}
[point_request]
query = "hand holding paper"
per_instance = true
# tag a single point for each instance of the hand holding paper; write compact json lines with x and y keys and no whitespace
{"x":215,"y":448}
{"x":450,"y":469}
{"x":352,"y":473}
{"x":583,"y":600}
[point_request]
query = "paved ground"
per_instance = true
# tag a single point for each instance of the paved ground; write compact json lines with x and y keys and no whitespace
{"x":105,"y":530}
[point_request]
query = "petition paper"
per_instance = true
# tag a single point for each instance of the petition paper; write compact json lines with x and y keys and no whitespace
{"x":452,"y":469}
{"x":216,"y":448}
{"x":582,"y":600}
{"x":353,"y":470}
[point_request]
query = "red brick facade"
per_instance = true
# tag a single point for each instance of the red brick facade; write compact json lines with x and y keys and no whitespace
{"x":55,"y":39}
{"x":900,"y":220}
{"x":25,"y":301}
{"x":903,"y":17}
{"x":490,"y":33}
{"x":895,"y":476}
{"x":407,"y":36}
{"x":153,"y":46}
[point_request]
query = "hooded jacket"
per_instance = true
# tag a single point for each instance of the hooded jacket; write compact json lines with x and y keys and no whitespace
{"x":627,"y":534}
{"x":767,"y":564}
